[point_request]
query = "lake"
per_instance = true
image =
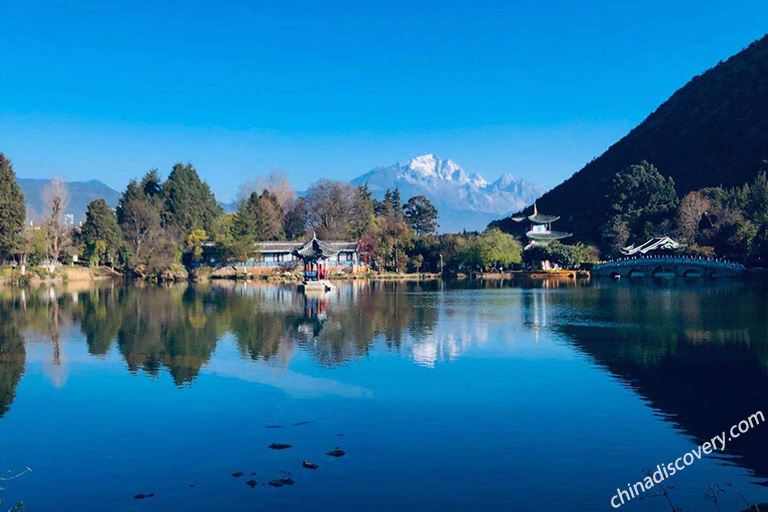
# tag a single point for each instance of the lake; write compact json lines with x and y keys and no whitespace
{"x":529,"y":396}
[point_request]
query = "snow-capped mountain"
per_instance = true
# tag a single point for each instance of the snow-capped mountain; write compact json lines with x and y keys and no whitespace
{"x":464,"y":201}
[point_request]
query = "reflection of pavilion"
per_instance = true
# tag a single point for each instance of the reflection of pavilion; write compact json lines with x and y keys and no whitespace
{"x":315,"y":315}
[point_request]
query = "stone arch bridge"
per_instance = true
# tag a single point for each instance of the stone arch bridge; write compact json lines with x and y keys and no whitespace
{"x":667,"y":266}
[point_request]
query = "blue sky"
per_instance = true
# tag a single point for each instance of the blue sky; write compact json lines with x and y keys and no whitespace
{"x":331,"y":89}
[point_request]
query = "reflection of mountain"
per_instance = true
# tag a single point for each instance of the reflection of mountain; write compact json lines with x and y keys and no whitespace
{"x":703,"y":378}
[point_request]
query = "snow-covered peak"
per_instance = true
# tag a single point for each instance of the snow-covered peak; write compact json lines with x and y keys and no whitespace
{"x":430,"y":166}
{"x":477,"y":179}
{"x":505,"y":180}
{"x":464,"y":201}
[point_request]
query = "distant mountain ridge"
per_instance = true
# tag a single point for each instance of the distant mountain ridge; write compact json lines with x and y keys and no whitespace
{"x":713,"y":131}
{"x":80,"y":194}
{"x":464,"y":201}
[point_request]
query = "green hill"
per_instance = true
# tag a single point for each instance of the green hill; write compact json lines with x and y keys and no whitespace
{"x":713,"y":131}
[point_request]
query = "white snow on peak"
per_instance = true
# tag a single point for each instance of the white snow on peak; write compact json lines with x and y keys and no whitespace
{"x":464,"y":201}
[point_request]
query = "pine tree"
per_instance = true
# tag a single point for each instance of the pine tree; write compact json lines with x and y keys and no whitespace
{"x":12,"y":212}
{"x":100,"y":233}
{"x":189,"y":202}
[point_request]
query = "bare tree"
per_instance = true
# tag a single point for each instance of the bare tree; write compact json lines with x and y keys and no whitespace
{"x":276,"y":183}
{"x":689,"y":213}
{"x":331,"y":208}
{"x":56,"y":201}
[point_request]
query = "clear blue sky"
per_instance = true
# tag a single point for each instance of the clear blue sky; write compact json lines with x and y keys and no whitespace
{"x":331,"y":89}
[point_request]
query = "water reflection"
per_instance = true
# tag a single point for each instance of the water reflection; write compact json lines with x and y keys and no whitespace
{"x":698,"y":355}
{"x":695,"y":353}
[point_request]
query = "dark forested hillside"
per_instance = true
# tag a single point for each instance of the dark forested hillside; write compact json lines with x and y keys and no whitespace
{"x":713,"y":131}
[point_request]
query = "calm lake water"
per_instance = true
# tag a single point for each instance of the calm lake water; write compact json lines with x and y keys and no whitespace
{"x":535,"y":397}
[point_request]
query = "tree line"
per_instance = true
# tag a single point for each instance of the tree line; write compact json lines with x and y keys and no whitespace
{"x":160,"y":228}
{"x":712,"y":222}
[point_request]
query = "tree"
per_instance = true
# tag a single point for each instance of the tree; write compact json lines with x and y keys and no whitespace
{"x":279,"y":187}
{"x":189,"y":202}
{"x":12,"y":212}
{"x":56,"y":201}
{"x":421,"y":214}
{"x":100,"y":233}
{"x":138,"y":216}
{"x":259,"y":218}
{"x":692,"y":207}
{"x":330,"y":209}
{"x":756,"y":207}
{"x":641,"y":198}
{"x":269,"y":216}
{"x":295,"y":222}
{"x":498,"y":249}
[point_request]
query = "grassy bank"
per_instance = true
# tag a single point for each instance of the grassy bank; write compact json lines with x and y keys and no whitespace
{"x":63,"y":274}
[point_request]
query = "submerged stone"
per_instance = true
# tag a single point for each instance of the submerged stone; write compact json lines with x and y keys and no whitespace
{"x":251,"y":483}
{"x":301,"y":423}
{"x":279,"y":446}
{"x":279,"y":482}
{"x":237,"y":474}
{"x":308,"y":465}
{"x":336,"y":452}
{"x":273,"y":426}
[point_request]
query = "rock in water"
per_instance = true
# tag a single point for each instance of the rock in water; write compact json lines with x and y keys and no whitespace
{"x":308,"y":465}
{"x":279,"y":446}
{"x":336,"y":452}
{"x":237,"y":474}
{"x":279,"y":482}
{"x":251,"y":483}
{"x":140,"y":496}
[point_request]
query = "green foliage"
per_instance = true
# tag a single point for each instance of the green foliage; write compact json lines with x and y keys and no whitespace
{"x":295,"y":224}
{"x":421,"y":214}
{"x":12,"y":212}
{"x":563,"y":255}
{"x":189,"y":202}
{"x":711,"y":131}
{"x":100,"y":233}
{"x":640,"y":198}
{"x":498,"y":249}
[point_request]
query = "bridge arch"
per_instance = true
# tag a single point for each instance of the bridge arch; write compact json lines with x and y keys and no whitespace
{"x":693,"y":273}
{"x":636,"y":273}
{"x":663,"y":271}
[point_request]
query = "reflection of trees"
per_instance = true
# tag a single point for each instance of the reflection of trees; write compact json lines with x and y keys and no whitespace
{"x":176,"y":327}
{"x":100,"y":317}
{"x":12,"y":352}
{"x":698,"y":356}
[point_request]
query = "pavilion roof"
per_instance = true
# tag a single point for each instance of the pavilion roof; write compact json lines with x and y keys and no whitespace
{"x":654,"y":244}
{"x":547,"y":235}
{"x":538,"y":218}
{"x":317,"y":249}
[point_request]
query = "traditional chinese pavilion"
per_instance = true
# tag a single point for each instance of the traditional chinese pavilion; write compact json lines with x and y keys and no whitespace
{"x":541,"y":227}
{"x":315,"y":255}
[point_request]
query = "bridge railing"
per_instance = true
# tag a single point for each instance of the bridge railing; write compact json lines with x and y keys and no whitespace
{"x":670,"y":260}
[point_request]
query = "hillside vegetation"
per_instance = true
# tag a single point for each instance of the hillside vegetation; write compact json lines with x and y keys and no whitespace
{"x":712,"y":132}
